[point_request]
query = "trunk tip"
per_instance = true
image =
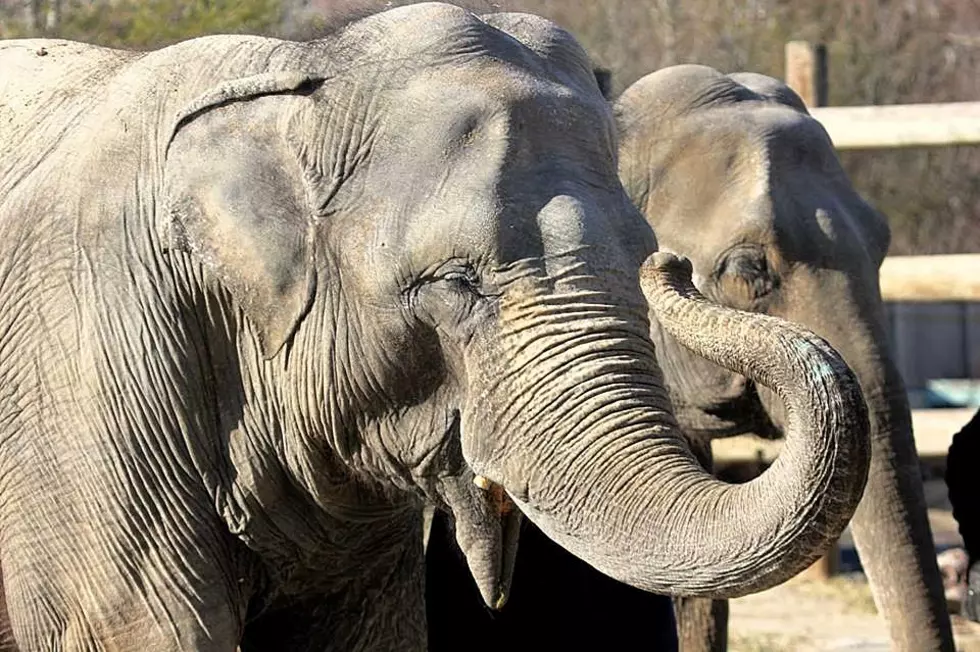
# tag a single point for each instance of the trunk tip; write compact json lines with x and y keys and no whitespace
{"x":669,"y":262}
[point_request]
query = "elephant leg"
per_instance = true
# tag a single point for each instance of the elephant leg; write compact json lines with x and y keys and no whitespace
{"x":702,"y":624}
{"x":383,"y":609}
{"x":7,"y":642}
{"x":307,"y":625}
{"x":77,"y":612}
{"x":107,"y":573}
{"x":320,"y":622}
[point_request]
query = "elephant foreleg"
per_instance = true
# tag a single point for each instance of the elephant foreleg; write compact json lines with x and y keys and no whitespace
{"x":383,"y":609}
{"x":7,"y":642}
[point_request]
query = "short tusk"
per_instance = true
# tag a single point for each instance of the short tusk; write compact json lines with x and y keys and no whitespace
{"x":482,"y":482}
{"x":501,"y":601}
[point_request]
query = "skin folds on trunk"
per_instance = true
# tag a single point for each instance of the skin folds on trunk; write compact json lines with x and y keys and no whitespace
{"x":654,"y":518}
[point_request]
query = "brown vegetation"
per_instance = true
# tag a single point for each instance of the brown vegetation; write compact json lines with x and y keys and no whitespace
{"x":880,"y":52}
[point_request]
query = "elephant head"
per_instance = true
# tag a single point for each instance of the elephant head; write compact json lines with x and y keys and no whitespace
{"x":436,"y":265}
{"x":732,"y":172}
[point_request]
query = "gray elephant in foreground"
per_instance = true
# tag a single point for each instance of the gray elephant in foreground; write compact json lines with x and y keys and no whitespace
{"x":733,"y":173}
{"x":261,"y":300}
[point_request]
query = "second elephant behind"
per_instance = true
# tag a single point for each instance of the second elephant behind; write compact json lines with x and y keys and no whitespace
{"x":732,"y":172}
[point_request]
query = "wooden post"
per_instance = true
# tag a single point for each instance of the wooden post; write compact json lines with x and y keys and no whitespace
{"x":806,"y":72}
{"x":824,"y":568}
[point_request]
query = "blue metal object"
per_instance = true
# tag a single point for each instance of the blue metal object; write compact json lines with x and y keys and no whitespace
{"x":952,"y":392}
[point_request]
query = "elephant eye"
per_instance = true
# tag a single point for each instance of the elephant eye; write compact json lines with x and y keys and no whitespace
{"x":466,"y":280}
{"x":452,"y":297}
{"x":745,"y":279}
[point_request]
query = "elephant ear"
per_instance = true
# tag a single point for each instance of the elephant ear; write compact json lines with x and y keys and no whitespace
{"x":603,"y":77}
{"x":237,"y":199}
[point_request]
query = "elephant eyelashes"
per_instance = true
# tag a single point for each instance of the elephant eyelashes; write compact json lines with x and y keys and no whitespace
{"x":464,"y":281}
{"x":448,"y":296}
{"x":744,"y":278}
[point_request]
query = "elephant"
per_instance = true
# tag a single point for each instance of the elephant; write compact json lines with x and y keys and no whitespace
{"x":963,"y":452}
{"x":261,"y":301}
{"x":733,"y":173}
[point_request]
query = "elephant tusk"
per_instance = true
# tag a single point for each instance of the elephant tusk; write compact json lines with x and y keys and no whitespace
{"x":502,"y":502}
{"x":501,"y":601}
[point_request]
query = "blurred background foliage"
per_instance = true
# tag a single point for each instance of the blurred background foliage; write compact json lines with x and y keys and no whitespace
{"x":139,"y":24}
{"x":880,"y":52}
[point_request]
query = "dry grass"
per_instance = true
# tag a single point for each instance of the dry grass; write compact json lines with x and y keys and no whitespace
{"x":765,"y":643}
{"x":853,"y":593}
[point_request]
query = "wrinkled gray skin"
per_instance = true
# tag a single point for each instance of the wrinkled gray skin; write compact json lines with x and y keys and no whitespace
{"x":259,"y":300}
{"x":733,"y":173}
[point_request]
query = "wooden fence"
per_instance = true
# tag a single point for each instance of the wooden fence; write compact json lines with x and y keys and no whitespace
{"x":903,"y":278}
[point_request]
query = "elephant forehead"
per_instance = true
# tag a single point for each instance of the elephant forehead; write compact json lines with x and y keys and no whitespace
{"x":468,"y":146}
{"x":452,"y":103}
{"x":703,"y":175}
{"x":771,"y":179}
{"x":725,"y":165}
{"x":425,"y":34}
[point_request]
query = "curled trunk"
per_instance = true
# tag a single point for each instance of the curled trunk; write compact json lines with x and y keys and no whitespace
{"x":634,"y":503}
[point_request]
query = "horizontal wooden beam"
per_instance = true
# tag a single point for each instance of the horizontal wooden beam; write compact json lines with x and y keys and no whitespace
{"x":901,"y":125}
{"x":954,"y":277}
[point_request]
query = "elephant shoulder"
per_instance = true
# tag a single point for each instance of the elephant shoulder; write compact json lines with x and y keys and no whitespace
{"x":46,"y":84}
{"x":37,"y":72}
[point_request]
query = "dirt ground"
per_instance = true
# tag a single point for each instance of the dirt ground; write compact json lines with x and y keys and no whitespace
{"x":839,"y":614}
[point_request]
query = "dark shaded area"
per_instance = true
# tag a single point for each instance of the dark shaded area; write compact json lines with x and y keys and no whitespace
{"x":558,"y":602}
{"x":961,"y":463}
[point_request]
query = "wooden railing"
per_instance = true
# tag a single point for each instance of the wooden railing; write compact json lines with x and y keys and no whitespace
{"x":902,"y":278}
{"x":901,"y":125}
{"x":931,"y":278}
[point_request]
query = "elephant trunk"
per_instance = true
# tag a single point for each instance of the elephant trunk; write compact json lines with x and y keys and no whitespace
{"x":632,"y":501}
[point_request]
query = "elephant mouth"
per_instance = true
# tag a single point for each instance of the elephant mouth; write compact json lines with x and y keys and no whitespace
{"x":487,"y":525}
